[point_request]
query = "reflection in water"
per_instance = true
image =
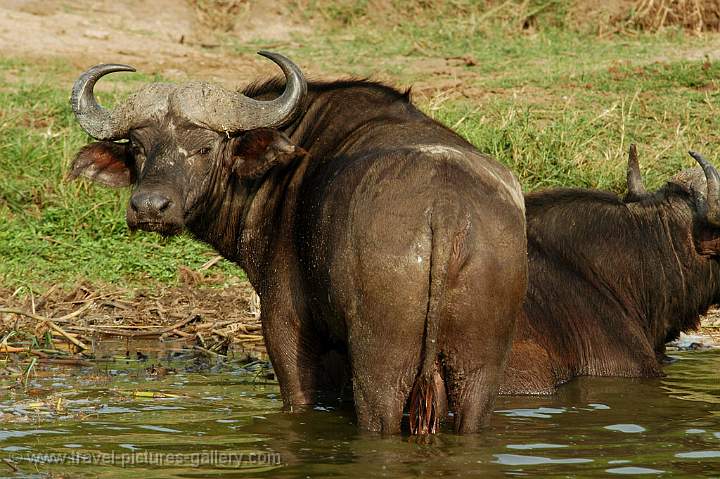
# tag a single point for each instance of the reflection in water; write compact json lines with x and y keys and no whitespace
{"x":535,"y":446}
{"x":231,"y":426}
{"x":698,"y":454}
{"x":626,"y":428}
{"x":516,"y":460}
{"x":540,"y":412}
{"x":633,"y":471}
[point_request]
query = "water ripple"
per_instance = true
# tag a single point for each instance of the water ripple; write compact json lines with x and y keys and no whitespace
{"x":626,"y":428}
{"x":519,"y":460}
{"x":633,"y":470}
{"x":698,"y":454}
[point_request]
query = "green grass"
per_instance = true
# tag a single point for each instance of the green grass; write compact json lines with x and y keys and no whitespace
{"x":558,"y":107}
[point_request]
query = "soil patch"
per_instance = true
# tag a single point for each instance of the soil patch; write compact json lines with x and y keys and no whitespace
{"x":165,"y":37}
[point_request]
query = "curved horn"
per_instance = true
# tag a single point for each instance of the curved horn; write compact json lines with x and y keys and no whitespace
{"x":287,"y":105}
{"x":94,"y":119}
{"x":713,"y":188}
{"x":235,"y":112}
{"x":635,"y":188}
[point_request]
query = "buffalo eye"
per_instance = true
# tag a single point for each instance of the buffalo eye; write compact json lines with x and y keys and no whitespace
{"x":136,"y":149}
{"x":205,"y":150}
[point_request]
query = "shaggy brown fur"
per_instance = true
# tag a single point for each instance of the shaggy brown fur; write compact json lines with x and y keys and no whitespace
{"x":610,"y":282}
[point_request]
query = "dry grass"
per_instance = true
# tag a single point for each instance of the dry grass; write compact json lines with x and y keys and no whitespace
{"x":86,"y":322}
{"x":693,"y":15}
{"x":218,"y":15}
{"x":509,"y":14}
{"x":612,"y":16}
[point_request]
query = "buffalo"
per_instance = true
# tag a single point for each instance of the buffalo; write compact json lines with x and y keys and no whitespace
{"x":612,"y":279}
{"x":383,"y":246}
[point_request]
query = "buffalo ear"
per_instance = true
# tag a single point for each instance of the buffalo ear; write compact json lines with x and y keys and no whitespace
{"x":709,"y":243}
{"x":258,"y":151}
{"x":104,"y":162}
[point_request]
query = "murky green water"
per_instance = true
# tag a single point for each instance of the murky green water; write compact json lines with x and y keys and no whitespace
{"x":230,"y":425}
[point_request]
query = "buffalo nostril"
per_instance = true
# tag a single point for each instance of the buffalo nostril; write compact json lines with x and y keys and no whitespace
{"x":150,"y":202}
{"x":159,"y":203}
{"x":136,"y":202}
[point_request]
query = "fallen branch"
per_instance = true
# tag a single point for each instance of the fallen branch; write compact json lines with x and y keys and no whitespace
{"x":209,"y":264}
{"x":154,"y":332}
{"x":10,"y":465}
{"x":67,"y":335}
{"x":150,"y":394}
{"x":239,"y":337}
{"x":20,"y":312}
{"x":38,"y":317}
{"x":65,"y":362}
{"x":209,"y":353}
{"x":106,"y":328}
{"x":183,"y":334}
{"x":4,"y":348}
{"x":43,"y":299}
{"x":74,"y":314}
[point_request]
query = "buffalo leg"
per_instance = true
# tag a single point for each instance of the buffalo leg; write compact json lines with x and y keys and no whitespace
{"x":384,"y":367}
{"x":381,"y":387}
{"x":474,"y":358}
{"x":295,"y":353}
{"x":471,"y":394}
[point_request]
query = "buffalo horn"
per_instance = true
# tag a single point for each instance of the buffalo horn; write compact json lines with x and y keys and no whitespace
{"x":635,"y":188}
{"x":234,"y":112}
{"x":713,"y":188}
{"x":98,"y":122}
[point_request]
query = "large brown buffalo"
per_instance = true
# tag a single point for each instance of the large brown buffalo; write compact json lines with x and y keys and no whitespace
{"x":377,"y":239}
{"x":611,"y":280}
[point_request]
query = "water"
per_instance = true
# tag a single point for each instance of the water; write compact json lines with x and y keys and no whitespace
{"x":230,"y":425}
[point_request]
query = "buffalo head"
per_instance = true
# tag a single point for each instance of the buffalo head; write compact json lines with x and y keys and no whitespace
{"x":704,"y":188}
{"x":700,"y":189}
{"x":176,"y":143}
